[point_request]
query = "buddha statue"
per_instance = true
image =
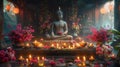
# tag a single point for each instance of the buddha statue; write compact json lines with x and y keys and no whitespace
{"x":59,"y":28}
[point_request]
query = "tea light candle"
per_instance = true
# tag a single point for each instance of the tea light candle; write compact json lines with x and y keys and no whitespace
{"x":78,"y":57}
{"x":38,"y":58}
{"x":27,"y":60}
{"x":83,"y":64}
{"x":21,"y":58}
{"x":84,"y":58}
{"x":30,"y":57}
{"x":91,"y":58}
{"x":113,"y":56}
{"x":90,"y":45}
{"x":27,"y":45}
{"x":43,"y":58}
{"x":52,"y":45}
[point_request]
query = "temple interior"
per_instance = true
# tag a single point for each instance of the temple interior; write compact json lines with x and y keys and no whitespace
{"x":59,"y":33}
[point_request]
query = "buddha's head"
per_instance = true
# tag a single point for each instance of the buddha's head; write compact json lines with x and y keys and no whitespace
{"x":59,"y":14}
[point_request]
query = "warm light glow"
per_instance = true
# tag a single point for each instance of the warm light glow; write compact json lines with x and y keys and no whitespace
{"x":43,"y":58}
{"x":41,"y":39}
{"x":30,"y":56}
{"x":27,"y":60}
{"x":78,"y":57}
{"x":77,"y":44}
{"x":40,"y":45}
{"x":8,"y":7}
{"x":91,"y":58}
{"x":41,"y":64}
{"x":103,"y":11}
{"x":28,"y":45}
{"x":38,"y":58}
{"x":35,"y":41}
{"x":84,"y":64}
{"x":52,"y":45}
{"x":21,"y":58}
{"x":80,"y":64}
{"x":16,"y":10}
{"x":90,"y":45}
{"x":64,"y":44}
{"x":84,"y":58}
{"x":57,"y":45}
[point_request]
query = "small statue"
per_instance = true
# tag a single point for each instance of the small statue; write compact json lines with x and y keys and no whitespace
{"x":60,"y":28}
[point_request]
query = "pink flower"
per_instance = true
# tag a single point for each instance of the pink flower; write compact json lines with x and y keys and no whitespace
{"x":2,"y":53}
{"x":52,"y":62}
{"x":21,"y":35}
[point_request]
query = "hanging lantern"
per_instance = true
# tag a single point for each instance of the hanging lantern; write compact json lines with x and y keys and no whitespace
{"x":15,"y":10}
{"x":8,"y":7}
{"x":103,"y":11}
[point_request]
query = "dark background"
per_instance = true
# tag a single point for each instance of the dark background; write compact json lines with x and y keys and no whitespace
{"x":37,"y":12}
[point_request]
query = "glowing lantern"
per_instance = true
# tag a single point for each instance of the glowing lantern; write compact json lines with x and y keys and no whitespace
{"x":103,"y":11}
{"x":8,"y":7}
{"x":15,"y":10}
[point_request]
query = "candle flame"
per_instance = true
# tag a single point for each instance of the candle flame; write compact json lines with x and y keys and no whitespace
{"x":84,"y":58}
{"x":91,"y":58}
{"x":27,"y":44}
{"x":38,"y":58}
{"x":30,"y":56}
{"x":27,"y":60}
{"x":78,"y":57}
{"x":43,"y":58}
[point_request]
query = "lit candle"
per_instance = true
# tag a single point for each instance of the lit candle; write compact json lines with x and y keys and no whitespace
{"x":21,"y":58}
{"x":113,"y":56}
{"x":43,"y":58}
{"x":27,"y":60}
{"x":35,"y":42}
{"x":38,"y":58}
{"x":69,"y":47}
{"x":30,"y":57}
{"x":40,"y":45}
{"x":27,"y":45}
{"x":57,"y":45}
{"x":77,"y":44}
{"x":84,"y":58}
{"x":41,"y":39}
{"x":64,"y":44}
{"x":73,"y":46}
{"x":83,"y":64}
{"x":52,"y":45}
{"x":91,"y":58}
{"x":90,"y":45}
{"x":79,"y":64}
{"x":78,"y":57}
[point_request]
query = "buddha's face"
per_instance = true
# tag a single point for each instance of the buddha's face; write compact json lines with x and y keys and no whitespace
{"x":60,"y":16}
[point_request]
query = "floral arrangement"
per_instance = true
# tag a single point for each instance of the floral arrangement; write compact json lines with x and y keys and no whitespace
{"x":105,"y":50}
{"x":21,"y":35}
{"x":7,"y":55}
{"x":101,"y":35}
{"x":76,"y":27}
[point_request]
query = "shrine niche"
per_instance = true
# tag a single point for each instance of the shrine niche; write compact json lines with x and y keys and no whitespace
{"x":58,"y":33}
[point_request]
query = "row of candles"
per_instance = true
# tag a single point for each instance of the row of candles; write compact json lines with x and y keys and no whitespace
{"x":80,"y":61}
{"x":61,"y":45}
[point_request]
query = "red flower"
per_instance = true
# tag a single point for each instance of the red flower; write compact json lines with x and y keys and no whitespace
{"x":98,"y":35}
{"x":2,"y":53}
{"x":52,"y":62}
{"x":5,"y":59}
{"x":21,"y":35}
